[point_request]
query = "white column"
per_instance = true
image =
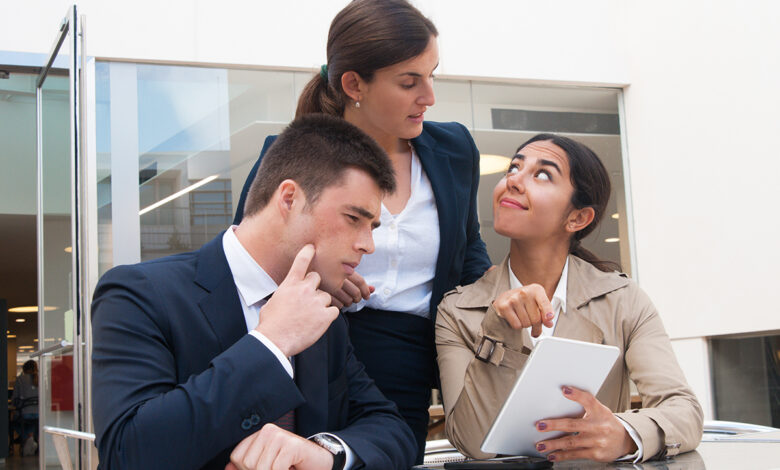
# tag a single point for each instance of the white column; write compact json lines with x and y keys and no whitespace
{"x":126,"y":223}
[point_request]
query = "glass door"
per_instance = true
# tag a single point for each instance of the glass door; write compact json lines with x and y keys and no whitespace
{"x":62,"y":306}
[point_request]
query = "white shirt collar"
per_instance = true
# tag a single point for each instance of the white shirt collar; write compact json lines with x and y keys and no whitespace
{"x":559,"y":296}
{"x":252,"y":282}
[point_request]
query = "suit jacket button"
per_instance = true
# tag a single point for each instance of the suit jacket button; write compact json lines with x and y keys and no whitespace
{"x":254,"y":419}
{"x":246,"y":424}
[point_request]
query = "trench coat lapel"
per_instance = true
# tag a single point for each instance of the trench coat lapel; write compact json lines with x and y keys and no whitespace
{"x":585,"y":284}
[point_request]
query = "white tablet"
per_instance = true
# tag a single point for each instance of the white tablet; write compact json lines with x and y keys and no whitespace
{"x":553,"y":363}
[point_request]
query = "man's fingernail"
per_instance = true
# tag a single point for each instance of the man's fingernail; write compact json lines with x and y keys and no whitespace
{"x":540,"y":447}
{"x":551,"y":457}
{"x":541,"y":426}
{"x":567,"y":390}
{"x":549,"y":315}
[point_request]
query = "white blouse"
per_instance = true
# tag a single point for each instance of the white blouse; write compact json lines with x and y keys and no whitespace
{"x":403,"y":263}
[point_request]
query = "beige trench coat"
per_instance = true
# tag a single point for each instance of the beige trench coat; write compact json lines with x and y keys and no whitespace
{"x":605,"y":308}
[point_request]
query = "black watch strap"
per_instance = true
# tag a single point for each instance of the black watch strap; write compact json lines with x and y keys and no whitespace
{"x":339,"y":460}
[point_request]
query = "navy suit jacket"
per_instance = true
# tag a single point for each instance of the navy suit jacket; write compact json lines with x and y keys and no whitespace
{"x":178,"y":382}
{"x":450,"y":159}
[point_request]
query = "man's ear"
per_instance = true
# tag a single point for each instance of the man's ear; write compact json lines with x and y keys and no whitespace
{"x":353,"y":85}
{"x":578,"y":219}
{"x":287,"y":196}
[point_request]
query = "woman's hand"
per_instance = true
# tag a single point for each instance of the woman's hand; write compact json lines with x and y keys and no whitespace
{"x":353,"y":289}
{"x":599,"y":434}
{"x":525,"y":306}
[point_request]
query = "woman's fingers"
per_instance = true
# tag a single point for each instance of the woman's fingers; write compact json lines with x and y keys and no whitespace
{"x":598,"y":435}
{"x":524,"y":307}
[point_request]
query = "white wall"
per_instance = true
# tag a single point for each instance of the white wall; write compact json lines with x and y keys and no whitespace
{"x":701,"y":114}
{"x":500,"y":38}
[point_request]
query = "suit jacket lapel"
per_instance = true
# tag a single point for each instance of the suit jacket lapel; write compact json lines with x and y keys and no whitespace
{"x":311,"y":377}
{"x":220,"y":305}
{"x":440,"y":176}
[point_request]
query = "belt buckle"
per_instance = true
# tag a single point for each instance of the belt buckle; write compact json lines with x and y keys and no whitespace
{"x":481,"y":346}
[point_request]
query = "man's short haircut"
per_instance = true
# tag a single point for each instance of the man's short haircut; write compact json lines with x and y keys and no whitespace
{"x":314,"y":151}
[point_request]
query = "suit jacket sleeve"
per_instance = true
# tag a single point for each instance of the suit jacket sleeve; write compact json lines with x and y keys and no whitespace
{"x":147,"y":417}
{"x":477,"y":260}
{"x":251,"y":177}
{"x":670,"y":420}
{"x":375,"y":430}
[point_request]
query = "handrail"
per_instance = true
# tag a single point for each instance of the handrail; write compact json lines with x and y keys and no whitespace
{"x":85,"y":436}
{"x":62,"y":345}
{"x":63,"y":33}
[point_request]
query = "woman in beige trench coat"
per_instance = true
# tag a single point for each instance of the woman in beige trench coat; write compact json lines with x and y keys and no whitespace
{"x":553,"y":194}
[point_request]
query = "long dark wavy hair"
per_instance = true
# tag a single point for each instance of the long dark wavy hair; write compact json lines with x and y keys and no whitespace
{"x":591,"y":189}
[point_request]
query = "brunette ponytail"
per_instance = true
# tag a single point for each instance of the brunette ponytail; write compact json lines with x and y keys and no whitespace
{"x":591,"y":189}
{"x":365,"y":36}
{"x":318,"y":97}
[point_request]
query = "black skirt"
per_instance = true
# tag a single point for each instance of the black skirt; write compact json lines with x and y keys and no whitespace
{"x":398,"y":352}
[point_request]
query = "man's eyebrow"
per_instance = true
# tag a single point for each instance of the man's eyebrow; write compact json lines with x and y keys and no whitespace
{"x":542,"y":162}
{"x":364,"y":213}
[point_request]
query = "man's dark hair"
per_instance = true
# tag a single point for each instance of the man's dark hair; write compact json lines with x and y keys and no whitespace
{"x":314,"y":151}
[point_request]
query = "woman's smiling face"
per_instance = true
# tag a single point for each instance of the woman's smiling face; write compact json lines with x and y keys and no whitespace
{"x":533,"y":199}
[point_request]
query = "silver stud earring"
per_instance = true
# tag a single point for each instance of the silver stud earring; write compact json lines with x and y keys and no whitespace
{"x":357,"y":104}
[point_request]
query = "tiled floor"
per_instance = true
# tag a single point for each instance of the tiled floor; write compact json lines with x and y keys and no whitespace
{"x":16,"y":462}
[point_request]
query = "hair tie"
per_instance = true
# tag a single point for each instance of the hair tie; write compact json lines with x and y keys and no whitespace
{"x":324,"y":72}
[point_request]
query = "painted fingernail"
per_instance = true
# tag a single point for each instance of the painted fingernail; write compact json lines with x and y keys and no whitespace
{"x":567,"y":390}
{"x":541,"y":426}
{"x":551,"y":457}
{"x":540,"y":447}
{"x":549,"y":315}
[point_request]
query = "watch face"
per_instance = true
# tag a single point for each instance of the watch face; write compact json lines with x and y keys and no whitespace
{"x":330,"y":443}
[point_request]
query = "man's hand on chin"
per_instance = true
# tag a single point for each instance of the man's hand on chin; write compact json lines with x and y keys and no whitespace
{"x":274,"y":448}
{"x":298,"y":313}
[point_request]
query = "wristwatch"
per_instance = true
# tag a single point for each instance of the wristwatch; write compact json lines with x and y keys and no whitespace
{"x":334,"y":446}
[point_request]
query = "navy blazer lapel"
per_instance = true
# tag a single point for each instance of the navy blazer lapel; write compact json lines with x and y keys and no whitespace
{"x":221,"y":305}
{"x":311,"y":377}
{"x":439,"y":174}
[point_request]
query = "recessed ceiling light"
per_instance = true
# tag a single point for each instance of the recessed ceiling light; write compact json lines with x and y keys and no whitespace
{"x":612,"y":240}
{"x":68,"y":249}
{"x":35,"y":340}
{"x":20,"y":320}
{"x":11,"y":336}
{"x":30,"y":309}
{"x":489,"y":164}
{"x":615,"y":215}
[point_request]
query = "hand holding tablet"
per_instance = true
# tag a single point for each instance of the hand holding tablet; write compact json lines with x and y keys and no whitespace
{"x":537,"y":395}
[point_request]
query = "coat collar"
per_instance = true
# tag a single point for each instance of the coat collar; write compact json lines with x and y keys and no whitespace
{"x":585,"y":284}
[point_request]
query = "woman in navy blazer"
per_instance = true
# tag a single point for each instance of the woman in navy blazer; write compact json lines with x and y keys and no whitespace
{"x":379,"y":76}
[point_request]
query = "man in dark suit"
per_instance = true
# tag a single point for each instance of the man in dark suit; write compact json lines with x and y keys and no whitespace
{"x":194,"y":359}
